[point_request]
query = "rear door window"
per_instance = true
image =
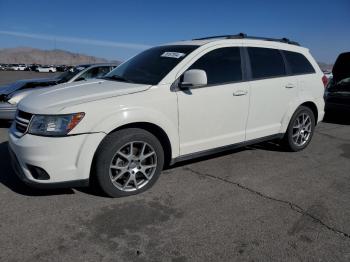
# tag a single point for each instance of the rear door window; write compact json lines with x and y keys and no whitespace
{"x":266,"y":62}
{"x":298,"y":63}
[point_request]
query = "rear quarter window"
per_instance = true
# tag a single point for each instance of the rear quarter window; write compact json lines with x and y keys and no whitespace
{"x":298,"y":63}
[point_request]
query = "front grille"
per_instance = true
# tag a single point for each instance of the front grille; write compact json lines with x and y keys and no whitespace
{"x":22,"y":121}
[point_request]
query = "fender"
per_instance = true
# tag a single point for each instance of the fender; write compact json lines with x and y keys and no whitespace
{"x":292,"y":108}
{"x":140,"y":114}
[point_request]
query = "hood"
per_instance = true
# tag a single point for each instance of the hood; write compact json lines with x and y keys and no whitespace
{"x":24,"y":84}
{"x":341,"y":68}
{"x":15,"y":97}
{"x":54,"y":99}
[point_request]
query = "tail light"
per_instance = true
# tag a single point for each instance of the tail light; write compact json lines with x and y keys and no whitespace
{"x":324,"y":81}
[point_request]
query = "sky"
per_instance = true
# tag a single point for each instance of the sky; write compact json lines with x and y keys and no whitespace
{"x":117,"y":30}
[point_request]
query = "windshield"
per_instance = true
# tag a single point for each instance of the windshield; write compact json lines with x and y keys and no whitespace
{"x":68,"y":75}
{"x":152,"y":65}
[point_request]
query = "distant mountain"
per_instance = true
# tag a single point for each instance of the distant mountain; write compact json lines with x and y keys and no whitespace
{"x":325,"y":66}
{"x":27,"y":55}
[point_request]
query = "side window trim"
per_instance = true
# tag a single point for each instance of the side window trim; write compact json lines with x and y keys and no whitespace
{"x":286,"y":64}
{"x":247,"y":69}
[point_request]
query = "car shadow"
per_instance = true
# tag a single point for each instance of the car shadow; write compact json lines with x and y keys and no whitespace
{"x":339,"y":118}
{"x":5,"y":124}
{"x":9,"y":179}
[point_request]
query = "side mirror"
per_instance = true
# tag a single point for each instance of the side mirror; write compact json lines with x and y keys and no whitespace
{"x":193,"y":78}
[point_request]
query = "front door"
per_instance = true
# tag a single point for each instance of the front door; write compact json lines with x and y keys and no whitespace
{"x":214,"y":115}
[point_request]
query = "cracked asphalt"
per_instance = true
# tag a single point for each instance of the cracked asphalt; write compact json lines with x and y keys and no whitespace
{"x":258,"y":203}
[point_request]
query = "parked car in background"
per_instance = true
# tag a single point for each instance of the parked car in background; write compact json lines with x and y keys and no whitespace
{"x":30,"y":67}
{"x":11,"y":94}
{"x":46,"y":69}
{"x":328,"y":74}
{"x":18,"y":67}
{"x":14,"y":67}
{"x":337,"y":95}
{"x":62,"y":68}
{"x":170,"y":103}
{"x":22,"y":67}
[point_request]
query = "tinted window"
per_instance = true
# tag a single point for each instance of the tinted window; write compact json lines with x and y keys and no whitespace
{"x":95,"y":72}
{"x":152,"y":65}
{"x":266,"y":62}
{"x":69,"y":74}
{"x":222,"y":65}
{"x":298,"y":63}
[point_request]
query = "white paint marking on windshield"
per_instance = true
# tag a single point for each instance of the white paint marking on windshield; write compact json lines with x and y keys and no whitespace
{"x":173,"y":55}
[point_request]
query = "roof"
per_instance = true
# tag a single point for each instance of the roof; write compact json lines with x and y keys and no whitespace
{"x":241,"y":38}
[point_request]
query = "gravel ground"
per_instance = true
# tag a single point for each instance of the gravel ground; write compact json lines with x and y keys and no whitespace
{"x":254,"y":204}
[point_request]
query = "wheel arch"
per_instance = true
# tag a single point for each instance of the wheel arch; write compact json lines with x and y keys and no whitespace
{"x":293,"y":107}
{"x":313,"y":108}
{"x":155,"y":130}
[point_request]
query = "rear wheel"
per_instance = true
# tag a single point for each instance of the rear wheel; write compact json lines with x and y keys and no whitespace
{"x":300,"y":129}
{"x":128,"y":162}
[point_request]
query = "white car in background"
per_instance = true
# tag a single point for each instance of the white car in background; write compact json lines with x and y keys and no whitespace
{"x":46,"y":69}
{"x":12,"y":94}
{"x":167,"y":104}
{"x":19,"y":67}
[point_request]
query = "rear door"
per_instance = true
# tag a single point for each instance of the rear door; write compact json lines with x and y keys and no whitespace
{"x":214,"y":115}
{"x":272,"y":91}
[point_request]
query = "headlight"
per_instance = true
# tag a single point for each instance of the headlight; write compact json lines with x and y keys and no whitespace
{"x":54,"y":125}
{"x":14,"y":100}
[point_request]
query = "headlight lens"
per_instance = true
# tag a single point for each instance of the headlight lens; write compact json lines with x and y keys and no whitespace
{"x":14,"y":100}
{"x":54,"y":125}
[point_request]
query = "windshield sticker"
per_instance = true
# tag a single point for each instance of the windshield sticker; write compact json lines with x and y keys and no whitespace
{"x":173,"y":55}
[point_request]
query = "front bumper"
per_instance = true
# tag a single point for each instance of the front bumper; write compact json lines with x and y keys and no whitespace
{"x":67,"y":160}
{"x":7,"y":111}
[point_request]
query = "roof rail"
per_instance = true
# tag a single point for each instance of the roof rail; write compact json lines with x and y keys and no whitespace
{"x":245,"y":36}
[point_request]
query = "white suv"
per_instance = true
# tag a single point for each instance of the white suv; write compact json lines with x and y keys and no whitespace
{"x":167,"y":104}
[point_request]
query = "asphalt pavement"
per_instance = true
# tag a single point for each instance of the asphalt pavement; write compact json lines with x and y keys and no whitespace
{"x":258,"y":203}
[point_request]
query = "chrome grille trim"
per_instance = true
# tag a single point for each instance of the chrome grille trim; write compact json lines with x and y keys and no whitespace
{"x":22,"y":121}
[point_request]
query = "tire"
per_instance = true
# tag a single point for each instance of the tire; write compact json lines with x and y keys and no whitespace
{"x":297,"y":139}
{"x":126,"y":157}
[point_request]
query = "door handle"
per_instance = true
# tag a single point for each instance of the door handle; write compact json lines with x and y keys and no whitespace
{"x":290,"y":86}
{"x":240,"y":93}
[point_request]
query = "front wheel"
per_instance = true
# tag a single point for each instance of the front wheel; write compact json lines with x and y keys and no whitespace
{"x":300,"y":129}
{"x":128,"y":162}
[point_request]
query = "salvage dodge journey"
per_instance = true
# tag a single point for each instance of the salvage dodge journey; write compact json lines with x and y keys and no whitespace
{"x":169,"y":103}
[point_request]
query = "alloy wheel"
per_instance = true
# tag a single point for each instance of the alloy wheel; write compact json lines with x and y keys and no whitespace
{"x":302,"y":128}
{"x":133,"y":166}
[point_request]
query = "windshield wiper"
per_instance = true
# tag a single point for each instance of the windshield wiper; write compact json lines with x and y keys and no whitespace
{"x":117,"y":78}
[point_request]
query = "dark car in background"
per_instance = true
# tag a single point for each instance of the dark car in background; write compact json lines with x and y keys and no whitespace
{"x":11,"y":94}
{"x":337,"y":94}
